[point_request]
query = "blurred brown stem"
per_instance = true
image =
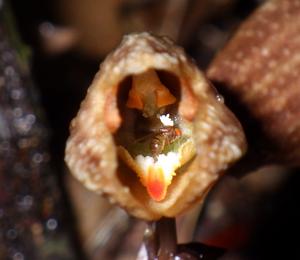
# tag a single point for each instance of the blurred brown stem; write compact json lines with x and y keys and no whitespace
{"x":161,"y":239}
{"x":166,"y":229}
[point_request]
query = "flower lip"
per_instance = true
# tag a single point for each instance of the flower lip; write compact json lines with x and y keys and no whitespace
{"x":157,"y":174}
{"x":156,"y":185}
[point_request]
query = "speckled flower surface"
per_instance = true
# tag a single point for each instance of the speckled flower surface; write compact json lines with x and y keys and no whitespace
{"x":260,"y":65}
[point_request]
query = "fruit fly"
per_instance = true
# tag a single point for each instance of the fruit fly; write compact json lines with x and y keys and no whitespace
{"x":165,"y":136}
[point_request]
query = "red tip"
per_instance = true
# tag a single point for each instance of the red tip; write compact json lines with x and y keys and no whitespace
{"x":157,"y":190}
{"x":156,"y":186}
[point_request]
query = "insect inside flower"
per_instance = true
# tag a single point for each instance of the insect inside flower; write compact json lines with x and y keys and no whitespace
{"x":154,"y":141}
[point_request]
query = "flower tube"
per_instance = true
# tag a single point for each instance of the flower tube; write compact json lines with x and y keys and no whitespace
{"x":152,"y":134}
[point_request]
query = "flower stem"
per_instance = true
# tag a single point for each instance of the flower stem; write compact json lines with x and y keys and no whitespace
{"x":166,"y":229}
{"x":160,"y":239}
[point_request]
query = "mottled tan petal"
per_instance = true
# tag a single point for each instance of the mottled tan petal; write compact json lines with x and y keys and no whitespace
{"x":261,"y":65}
{"x":91,"y":151}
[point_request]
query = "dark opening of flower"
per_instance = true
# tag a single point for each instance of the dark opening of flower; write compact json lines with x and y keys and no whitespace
{"x":153,"y":140}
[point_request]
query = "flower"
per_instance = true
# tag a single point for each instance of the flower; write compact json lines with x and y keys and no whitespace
{"x":151,"y":133}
